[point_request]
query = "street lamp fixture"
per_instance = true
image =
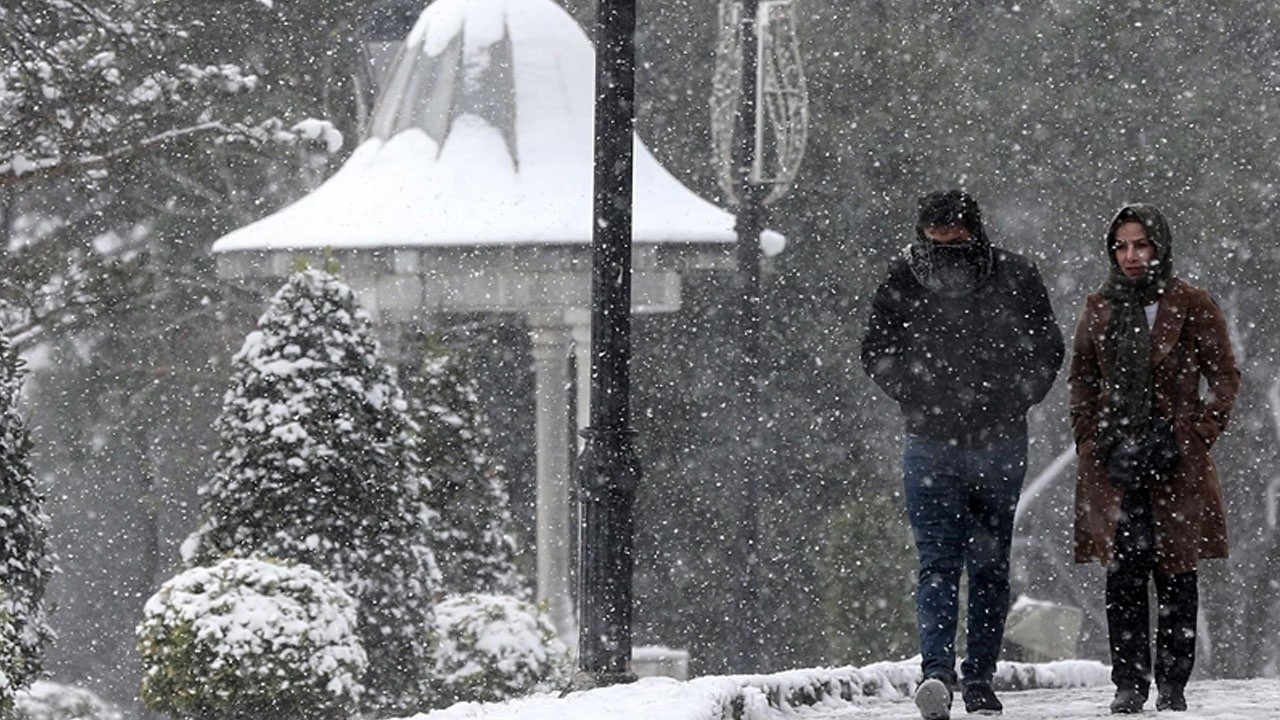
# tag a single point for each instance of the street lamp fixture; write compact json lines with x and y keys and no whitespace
{"x":759,"y":123}
{"x":759,"y":118}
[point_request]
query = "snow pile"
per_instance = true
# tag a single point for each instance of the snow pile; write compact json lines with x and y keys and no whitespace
{"x":760,"y":697}
{"x":495,"y":647}
{"x":246,"y":634}
{"x":1060,"y":674}
{"x":52,"y":701}
{"x":647,"y":699}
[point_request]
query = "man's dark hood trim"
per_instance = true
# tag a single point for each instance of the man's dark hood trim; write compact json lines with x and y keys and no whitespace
{"x":950,"y":207}
{"x":953,"y":269}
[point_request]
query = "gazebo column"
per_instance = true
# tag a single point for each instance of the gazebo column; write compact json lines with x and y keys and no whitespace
{"x":551,"y":340}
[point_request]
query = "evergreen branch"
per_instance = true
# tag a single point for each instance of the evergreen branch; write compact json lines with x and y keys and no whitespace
{"x":52,"y":167}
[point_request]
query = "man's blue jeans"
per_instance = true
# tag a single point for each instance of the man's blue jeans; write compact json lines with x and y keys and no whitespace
{"x":961,"y":503}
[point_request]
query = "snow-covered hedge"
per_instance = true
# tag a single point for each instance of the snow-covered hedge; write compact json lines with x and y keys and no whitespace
{"x":793,"y":689}
{"x":52,"y":701}
{"x":250,"y":637}
{"x":492,"y":648}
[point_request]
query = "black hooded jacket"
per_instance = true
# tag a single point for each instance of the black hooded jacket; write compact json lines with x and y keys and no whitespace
{"x":965,"y":368}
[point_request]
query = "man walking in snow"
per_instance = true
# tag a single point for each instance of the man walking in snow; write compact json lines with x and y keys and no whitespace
{"x":963,"y":337}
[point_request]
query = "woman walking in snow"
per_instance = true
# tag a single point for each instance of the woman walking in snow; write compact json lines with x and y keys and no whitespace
{"x":1148,"y":503}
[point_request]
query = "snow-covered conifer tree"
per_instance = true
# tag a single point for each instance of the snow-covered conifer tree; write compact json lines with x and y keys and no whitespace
{"x":319,"y":464}
{"x":24,"y":563}
{"x":474,"y":545}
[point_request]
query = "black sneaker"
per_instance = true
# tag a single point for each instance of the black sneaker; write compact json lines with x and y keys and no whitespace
{"x":980,"y":699}
{"x":1171,"y":698}
{"x":933,"y":699}
{"x":1128,"y":702}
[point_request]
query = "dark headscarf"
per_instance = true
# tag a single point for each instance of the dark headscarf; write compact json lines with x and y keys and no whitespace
{"x":1128,"y":338}
{"x":956,"y":268}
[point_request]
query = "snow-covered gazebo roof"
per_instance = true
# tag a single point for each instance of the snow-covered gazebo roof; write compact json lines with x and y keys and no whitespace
{"x":483,"y":136}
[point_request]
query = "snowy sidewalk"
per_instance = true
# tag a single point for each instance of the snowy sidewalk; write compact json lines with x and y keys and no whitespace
{"x":1208,"y":700}
{"x":1071,"y":690}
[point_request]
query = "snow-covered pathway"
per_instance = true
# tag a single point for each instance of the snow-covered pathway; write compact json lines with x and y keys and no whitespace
{"x":1068,"y":690}
{"x":1208,"y":700}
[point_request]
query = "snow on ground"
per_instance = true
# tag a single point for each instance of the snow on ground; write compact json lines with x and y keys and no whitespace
{"x":1071,"y":690}
{"x":1207,"y":700}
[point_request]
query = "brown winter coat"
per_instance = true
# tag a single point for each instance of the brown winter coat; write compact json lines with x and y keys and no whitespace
{"x":1188,"y":340}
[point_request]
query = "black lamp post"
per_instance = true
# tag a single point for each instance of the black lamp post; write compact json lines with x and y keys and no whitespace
{"x":750,"y":223}
{"x":608,"y":470}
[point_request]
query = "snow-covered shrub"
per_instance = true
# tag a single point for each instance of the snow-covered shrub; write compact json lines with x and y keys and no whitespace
{"x":251,"y":638}
{"x":51,"y":701}
{"x":494,"y":647}
{"x":25,"y":564}
{"x":474,"y":544}
{"x":318,"y":464}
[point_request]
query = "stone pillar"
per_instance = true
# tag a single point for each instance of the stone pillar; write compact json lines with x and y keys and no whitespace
{"x":551,"y":340}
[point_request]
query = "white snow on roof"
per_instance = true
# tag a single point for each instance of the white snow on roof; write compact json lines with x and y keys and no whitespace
{"x":484,"y":136}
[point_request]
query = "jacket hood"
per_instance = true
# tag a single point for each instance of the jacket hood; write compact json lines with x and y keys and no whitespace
{"x":957,"y":268}
{"x":950,"y":207}
{"x":1157,"y":232}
